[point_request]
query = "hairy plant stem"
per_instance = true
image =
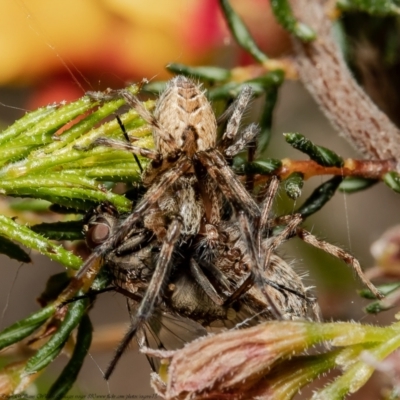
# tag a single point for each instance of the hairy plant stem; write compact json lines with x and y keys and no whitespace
{"x":326,"y":76}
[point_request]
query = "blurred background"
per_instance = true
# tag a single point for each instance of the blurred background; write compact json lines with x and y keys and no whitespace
{"x":55,"y":51}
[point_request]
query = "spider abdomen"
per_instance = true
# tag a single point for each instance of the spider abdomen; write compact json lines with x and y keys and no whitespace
{"x":181,"y":109}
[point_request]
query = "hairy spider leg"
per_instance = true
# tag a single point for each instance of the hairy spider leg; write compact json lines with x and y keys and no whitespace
{"x":94,"y":262}
{"x":341,"y":255}
{"x":266,"y":211}
{"x":235,"y":114}
{"x":287,"y":231}
{"x":205,"y":283}
{"x":153,"y":291}
{"x":292,"y":228}
{"x":292,"y":223}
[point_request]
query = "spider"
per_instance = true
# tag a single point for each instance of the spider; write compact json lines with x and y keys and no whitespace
{"x":187,"y":179}
{"x":189,"y":182}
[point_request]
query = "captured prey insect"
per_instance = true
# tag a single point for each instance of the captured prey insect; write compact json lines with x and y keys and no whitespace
{"x":189,"y":186}
{"x":186,"y":306}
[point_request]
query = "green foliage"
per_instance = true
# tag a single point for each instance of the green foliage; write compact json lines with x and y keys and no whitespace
{"x":240,"y":32}
{"x":293,"y":185}
{"x":284,"y":15}
{"x":355,"y":184}
{"x":207,"y":74}
{"x":21,"y":329}
{"x":392,"y":179}
{"x":69,"y":374}
{"x":319,"y":197}
{"x":373,"y":7}
{"x":321,"y":155}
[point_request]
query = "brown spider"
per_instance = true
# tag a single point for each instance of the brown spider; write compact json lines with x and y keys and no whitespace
{"x":188,"y":180}
{"x":189,"y":183}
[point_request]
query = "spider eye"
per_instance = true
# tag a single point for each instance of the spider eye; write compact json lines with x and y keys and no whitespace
{"x":234,"y":254}
{"x":245,"y":267}
{"x":97,"y":234}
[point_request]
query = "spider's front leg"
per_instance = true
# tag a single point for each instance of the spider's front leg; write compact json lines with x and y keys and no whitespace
{"x":292,"y":223}
{"x":292,"y":228}
{"x":153,"y":292}
{"x":341,"y":255}
{"x":132,"y":101}
{"x":94,"y":262}
{"x":120,"y":145}
{"x":235,"y":113}
{"x":266,"y":207}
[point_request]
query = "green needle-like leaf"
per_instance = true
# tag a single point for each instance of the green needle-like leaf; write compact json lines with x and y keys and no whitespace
{"x":373,"y":7}
{"x":355,"y":184}
{"x":359,"y":372}
{"x":209,"y":73}
{"x":384,"y":289}
{"x":319,"y":197}
{"x":21,"y":329}
{"x":22,"y":234}
{"x":392,"y":179}
{"x":240,"y":32}
{"x":293,"y":185}
{"x":46,"y":354}
{"x":284,"y":15}
{"x":67,"y":230}
{"x":28,"y":121}
{"x":69,"y":374}
{"x":265,"y":167}
{"x":258,"y":85}
{"x":321,"y":155}
{"x":13,"y":251}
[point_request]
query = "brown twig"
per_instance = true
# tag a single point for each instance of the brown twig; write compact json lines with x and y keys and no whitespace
{"x":371,"y":169}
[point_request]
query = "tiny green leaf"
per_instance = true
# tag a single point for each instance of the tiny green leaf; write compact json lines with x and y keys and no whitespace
{"x":293,"y":185}
{"x":319,"y":197}
{"x":208,"y":73}
{"x":67,"y":230}
{"x":24,"y":235}
{"x":374,"y":7}
{"x":240,"y":32}
{"x":392,"y":179}
{"x":377,"y":307}
{"x":69,"y":374}
{"x":352,"y":184}
{"x":28,"y":121}
{"x":321,"y":155}
{"x":23,"y":328}
{"x":284,"y":15}
{"x":13,"y":251}
{"x":46,"y":354}
{"x":265,"y":167}
{"x":259,"y":86}
{"x":384,"y":289}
